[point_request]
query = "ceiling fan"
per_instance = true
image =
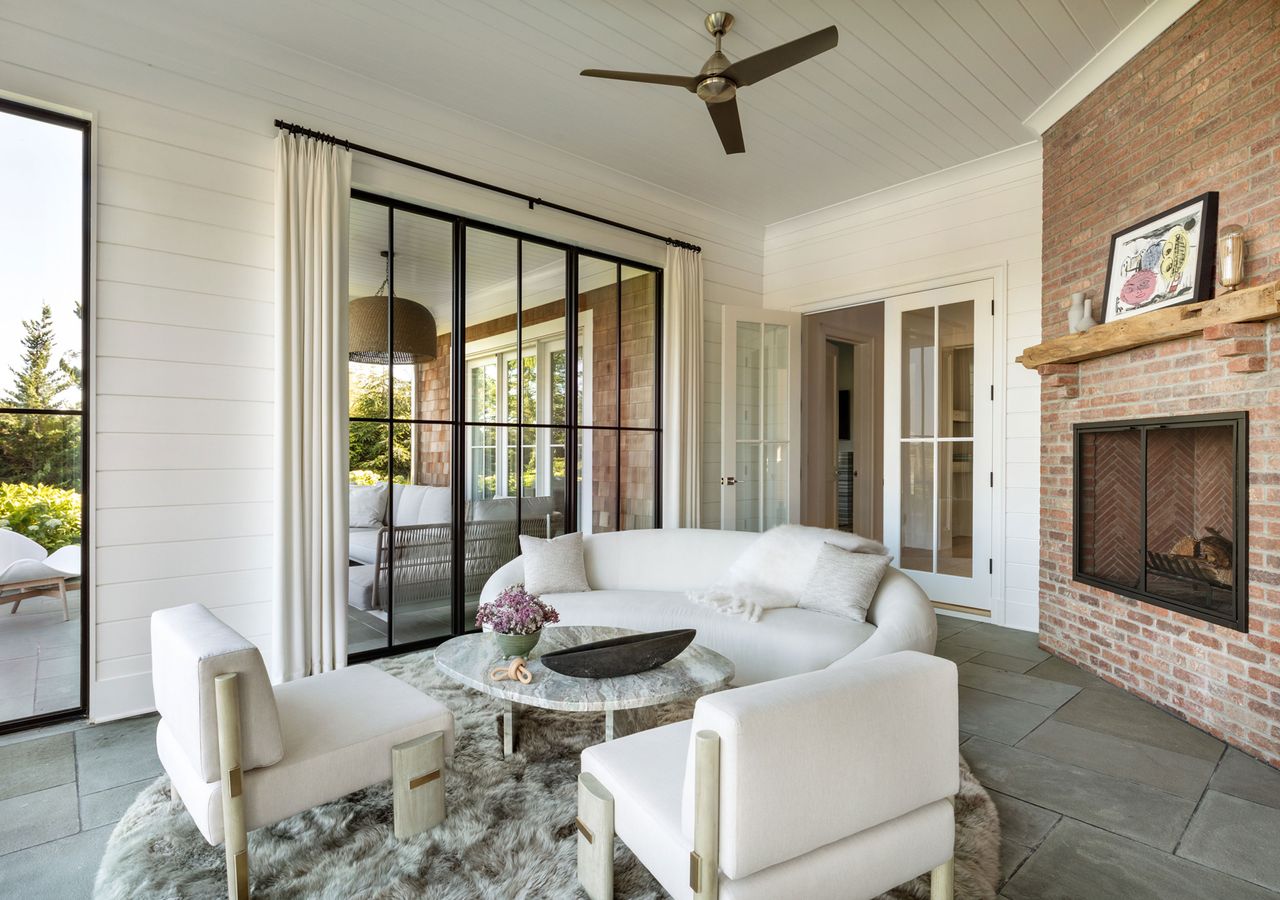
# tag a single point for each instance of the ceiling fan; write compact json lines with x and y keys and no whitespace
{"x":718,"y":81}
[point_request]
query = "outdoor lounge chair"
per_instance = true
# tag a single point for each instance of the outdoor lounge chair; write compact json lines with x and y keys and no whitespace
{"x":28,"y":570}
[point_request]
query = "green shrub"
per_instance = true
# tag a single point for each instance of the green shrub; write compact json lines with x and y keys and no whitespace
{"x":50,"y":516}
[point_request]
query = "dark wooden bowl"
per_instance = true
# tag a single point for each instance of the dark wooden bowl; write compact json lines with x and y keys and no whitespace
{"x":619,"y":656}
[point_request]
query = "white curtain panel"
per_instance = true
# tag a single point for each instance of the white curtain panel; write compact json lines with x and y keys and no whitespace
{"x":313,"y":197}
{"x":682,"y":378}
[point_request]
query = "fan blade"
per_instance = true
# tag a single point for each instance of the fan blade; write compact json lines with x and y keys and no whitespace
{"x":684,"y":81}
{"x":728,"y":125}
{"x":784,"y":56}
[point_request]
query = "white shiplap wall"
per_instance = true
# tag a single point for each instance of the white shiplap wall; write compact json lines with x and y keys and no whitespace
{"x":980,"y":216}
{"x":183,"y":302}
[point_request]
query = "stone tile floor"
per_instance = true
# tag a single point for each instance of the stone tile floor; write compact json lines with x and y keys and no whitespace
{"x":39,"y":657}
{"x":1100,"y":794}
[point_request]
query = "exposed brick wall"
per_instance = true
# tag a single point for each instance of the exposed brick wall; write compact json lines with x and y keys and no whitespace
{"x":1197,"y":110}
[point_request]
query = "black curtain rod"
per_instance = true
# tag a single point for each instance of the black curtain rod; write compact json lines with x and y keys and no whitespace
{"x":474,"y":182}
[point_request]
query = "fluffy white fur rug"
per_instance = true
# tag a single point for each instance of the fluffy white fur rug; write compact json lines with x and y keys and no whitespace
{"x":509,"y":832}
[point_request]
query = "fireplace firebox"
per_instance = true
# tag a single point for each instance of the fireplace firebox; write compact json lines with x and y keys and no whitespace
{"x":1161,"y":513}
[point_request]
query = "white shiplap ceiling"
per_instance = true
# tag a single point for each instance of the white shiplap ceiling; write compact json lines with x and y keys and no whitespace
{"x":915,"y":86}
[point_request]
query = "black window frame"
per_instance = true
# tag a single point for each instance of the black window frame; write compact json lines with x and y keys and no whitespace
{"x":85,"y":127}
{"x":459,"y":420}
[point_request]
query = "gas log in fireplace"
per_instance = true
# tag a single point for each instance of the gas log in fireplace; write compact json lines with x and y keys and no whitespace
{"x":1161,"y":513}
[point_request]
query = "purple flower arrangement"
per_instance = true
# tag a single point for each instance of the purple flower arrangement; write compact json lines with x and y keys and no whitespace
{"x":516,"y":611}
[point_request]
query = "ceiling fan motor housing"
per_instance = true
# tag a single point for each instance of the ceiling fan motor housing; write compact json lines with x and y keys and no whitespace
{"x":714,"y":88}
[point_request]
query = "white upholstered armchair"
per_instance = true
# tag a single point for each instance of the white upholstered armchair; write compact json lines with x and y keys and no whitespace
{"x":241,"y":754}
{"x":832,"y":784}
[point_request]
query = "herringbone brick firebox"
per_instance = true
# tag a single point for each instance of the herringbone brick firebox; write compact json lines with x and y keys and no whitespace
{"x":1197,"y":110}
{"x":1160,"y":513}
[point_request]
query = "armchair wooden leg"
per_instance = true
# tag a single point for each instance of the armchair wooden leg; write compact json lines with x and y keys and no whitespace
{"x":62,"y":592}
{"x":595,"y":838}
{"x":235,"y":840}
{"x":942,"y":881}
{"x":417,"y":785}
{"x":704,"y":861}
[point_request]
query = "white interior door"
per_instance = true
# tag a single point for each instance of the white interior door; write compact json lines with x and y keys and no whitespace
{"x":938,"y":435}
{"x":760,"y":463}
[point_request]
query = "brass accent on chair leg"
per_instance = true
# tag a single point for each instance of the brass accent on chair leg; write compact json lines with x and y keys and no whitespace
{"x":242,"y":875}
{"x":695,"y":871}
{"x":236,"y":780}
{"x":415,"y":783}
{"x":584,"y":830}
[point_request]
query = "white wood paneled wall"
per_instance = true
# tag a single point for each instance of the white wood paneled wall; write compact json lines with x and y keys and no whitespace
{"x":183,"y":301}
{"x":981,"y":215}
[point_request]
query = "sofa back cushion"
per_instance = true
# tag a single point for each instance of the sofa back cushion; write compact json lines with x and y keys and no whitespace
{"x":190,"y":646}
{"x":662,"y":559}
{"x":814,"y":758}
{"x":422,"y":504}
{"x":367,"y":505}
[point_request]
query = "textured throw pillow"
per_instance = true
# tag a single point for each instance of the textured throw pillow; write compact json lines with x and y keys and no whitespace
{"x":772,"y":572}
{"x":843,"y":583}
{"x":555,"y":566}
{"x":367,"y":505}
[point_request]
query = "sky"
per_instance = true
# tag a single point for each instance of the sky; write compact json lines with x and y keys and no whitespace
{"x":40,"y":220}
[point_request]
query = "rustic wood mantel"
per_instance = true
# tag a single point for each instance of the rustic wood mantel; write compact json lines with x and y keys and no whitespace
{"x":1253,"y":304}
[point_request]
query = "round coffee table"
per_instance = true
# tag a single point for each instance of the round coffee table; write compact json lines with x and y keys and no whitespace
{"x":469,"y":658}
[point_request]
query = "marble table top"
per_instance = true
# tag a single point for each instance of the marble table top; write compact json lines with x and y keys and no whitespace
{"x":470,"y":657}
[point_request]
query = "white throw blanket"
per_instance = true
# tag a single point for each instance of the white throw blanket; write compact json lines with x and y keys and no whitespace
{"x":773,"y":571}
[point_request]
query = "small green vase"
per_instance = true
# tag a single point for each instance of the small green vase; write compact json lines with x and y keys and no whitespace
{"x":510,"y":645}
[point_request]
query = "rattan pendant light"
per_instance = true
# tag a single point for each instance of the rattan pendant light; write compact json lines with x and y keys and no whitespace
{"x":415,"y":330}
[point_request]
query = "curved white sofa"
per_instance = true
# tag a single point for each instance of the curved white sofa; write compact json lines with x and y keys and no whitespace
{"x":640,"y":579}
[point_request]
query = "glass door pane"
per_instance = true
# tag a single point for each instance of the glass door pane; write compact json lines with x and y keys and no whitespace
{"x":760,"y":394}
{"x":917,"y":506}
{"x":917,"y":373}
{"x":955,"y":508}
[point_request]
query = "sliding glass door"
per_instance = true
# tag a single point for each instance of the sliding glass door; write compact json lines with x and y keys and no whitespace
{"x":540,"y":419}
{"x":44,"y":208}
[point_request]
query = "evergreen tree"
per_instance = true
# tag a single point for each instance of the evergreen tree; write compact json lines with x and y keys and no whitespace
{"x":69,"y":365}
{"x":39,"y":449}
{"x":37,"y":383}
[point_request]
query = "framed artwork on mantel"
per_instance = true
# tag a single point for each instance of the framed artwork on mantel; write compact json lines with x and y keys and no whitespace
{"x":1162,"y":261}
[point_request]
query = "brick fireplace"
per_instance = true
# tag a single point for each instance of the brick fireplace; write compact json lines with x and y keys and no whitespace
{"x":1197,"y":110}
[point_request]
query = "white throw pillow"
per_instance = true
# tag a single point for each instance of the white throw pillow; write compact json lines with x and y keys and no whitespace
{"x":367,"y":505}
{"x":773,"y":571}
{"x":843,"y":583}
{"x":555,"y":566}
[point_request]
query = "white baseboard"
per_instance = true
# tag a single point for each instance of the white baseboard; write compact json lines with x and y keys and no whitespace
{"x":121,"y":698}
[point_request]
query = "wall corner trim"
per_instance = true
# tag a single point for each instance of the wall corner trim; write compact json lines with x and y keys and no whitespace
{"x":1149,"y":25}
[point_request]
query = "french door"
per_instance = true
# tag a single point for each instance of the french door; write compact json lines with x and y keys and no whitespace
{"x":939,"y":479}
{"x":760,"y":441}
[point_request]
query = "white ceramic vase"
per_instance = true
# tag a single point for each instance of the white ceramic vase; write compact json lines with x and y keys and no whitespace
{"x":1080,"y":316}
